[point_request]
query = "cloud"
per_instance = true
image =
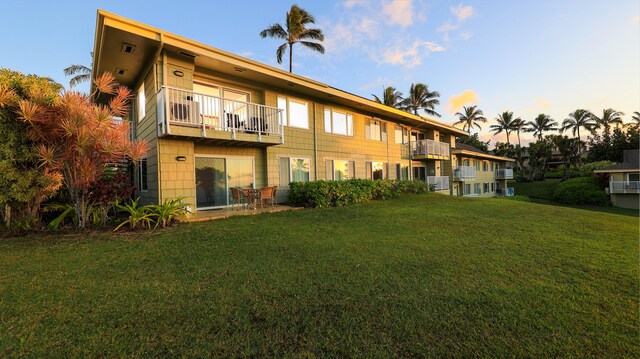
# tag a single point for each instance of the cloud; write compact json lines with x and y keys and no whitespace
{"x":379,"y":81}
{"x":409,"y":56}
{"x":462,"y":12}
{"x":399,"y":12}
{"x":635,"y":20}
{"x":542,"y":104}
{"x":350,"y":4}
{"x":455,"y":102}
{"x":354,"y":33}
{"x":466,"y":35}
{"x":446,"y":28}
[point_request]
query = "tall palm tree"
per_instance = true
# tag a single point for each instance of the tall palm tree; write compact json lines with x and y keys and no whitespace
{"x":471,"y":117}
{"x":635,"y":121}
{"x":296,"y":32}
{"x":578,"y":118}
{"x":390,"y":97}
{"x":420,"y":98}
{"x":519,"y":125}
{"x":541,"y":124}
{"x":80,"y":73}
{"x":505,"y":123}
{"x":609,"y":117}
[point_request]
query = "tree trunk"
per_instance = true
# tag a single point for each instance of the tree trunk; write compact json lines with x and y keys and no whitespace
{"x":7,"y":215}
{"x":290,"y":57}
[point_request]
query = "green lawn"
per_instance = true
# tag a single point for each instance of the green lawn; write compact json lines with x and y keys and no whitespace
{"x":423,"y":275}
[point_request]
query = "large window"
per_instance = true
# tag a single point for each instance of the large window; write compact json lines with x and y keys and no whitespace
{"x":485,"y":166}
{"x":467,"y":188}
{"x":340,"y":170}
{"x":485,"y":187}
{"x":141,"y":103}
{"x":375,"y":130}
{"x":476,"y":188}
{"x":633,"y":177}
{"x":294,"y":113}
{"x":477,"y":164}
{"x":294,"y":169}
{"x":339,"y":123}
{"x":401,"y":135}
{"x":143,"y":176}
{"x":375,"y":170}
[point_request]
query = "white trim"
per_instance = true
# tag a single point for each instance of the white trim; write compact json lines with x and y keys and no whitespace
{"x":221,"y":89}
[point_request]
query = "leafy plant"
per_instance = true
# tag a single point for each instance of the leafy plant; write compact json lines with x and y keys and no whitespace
{"x":169,"y":211}
{"x":580,"y":191}
{"x":138,"y":216}
{"x":67,"y":211}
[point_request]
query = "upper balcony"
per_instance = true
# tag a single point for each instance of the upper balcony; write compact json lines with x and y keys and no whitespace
{"x":192,"y":114}
{"x":429,"y":150}
{"x":462,"y":173}
{"x":624,"y":187}
{"x":504,"y":173}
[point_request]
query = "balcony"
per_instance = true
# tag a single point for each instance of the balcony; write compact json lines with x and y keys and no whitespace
{"x":624,"y":187}
{"x":224,"y":121}
{"x":441,"y":182}
{"x":504,"y":173}
{"x":462,"y":173}
{"x":429,"y":150}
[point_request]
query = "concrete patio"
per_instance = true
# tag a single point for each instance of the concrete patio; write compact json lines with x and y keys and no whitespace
{"x":208,"y":215}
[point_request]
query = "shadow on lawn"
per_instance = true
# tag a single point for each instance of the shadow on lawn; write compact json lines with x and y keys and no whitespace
{"x":613,"y":210}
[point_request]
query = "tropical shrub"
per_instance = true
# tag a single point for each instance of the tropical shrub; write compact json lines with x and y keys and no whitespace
{"x":341,"y":193}
{"x":584,"y":170}
{"x":169,"y":211}
{"x":581,"y":191}
{"x":137,"y":216}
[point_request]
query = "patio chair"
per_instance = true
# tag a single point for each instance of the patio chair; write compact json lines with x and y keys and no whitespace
{"x":266,"y":194}
{"x":238,"y":198}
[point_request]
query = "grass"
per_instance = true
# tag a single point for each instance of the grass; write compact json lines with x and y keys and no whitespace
{"x":423,"y":275}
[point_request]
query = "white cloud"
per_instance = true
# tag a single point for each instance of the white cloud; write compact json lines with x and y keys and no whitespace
{"x":399,"y":12}
{"x":410,"y":56}
{"x":455,"y":102}
{"x":446,"y":28}
{"x":350,"y":4}
{"x":462,"y":12}
{"x":345,"y":35}
{"x":466,"y":35}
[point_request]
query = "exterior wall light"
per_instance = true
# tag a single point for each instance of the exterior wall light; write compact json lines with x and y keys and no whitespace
{"x":181,"y":158}
{"x":178,"y":73}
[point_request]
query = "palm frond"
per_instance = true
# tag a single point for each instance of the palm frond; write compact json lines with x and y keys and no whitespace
{"x":280,"y":52}
{"x":313,"y":46}
{"x":311,"y":34}
{"x":274,"y":31}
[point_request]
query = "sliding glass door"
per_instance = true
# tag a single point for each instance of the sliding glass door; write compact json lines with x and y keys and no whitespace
{"x":216,"y":175}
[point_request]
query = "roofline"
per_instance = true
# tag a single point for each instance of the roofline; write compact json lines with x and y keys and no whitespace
{"x":105,"y":18}
{"x":604,"y":170}
{"x":480,"y":154}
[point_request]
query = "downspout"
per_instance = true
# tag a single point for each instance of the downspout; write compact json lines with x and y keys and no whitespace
{"x":164,"y":82}
{"x":315,"y":143}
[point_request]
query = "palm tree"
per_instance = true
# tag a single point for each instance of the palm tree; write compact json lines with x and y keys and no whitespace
{"x":541,"y":124}
{"x":390,"y":97}
{"x":609,"y":117}
{"x":505,"y":123}
{"x":420,"y":98}
{"x":519,"y":125}
{"x":578,"y":118}
{"x":296,"y":32}
{"x":80,"y":73}
{"x":635,"y":121}
{"x":470,"y":118}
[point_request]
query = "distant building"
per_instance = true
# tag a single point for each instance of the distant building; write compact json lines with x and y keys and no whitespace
{"x":624,"y":180}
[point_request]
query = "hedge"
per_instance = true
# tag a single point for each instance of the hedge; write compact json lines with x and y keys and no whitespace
{"x":581,"y":190}
{"x":341,"y":193}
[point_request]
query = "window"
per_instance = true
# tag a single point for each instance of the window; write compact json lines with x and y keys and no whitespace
{"x":633,"y":177}
{"x":337,"y":122}
{"x":485,"y":187}
{"x":466,"y":163}
{"x":493,"y":187}
{"x":294,"y":113}
{"x":401,"y":135}
{"x":476,"y":188}
{"x":404,"y":172}
{"x":375,"y":130}
{"x":375,"y":170}
{"x":294,"y":170}
{"x":143,"y":175}
{"x":340,"y":170}
{"x":467,"y":189}
{"x":477,"y":164}
{"x":485,"y":166}
{"x":141,"y":103}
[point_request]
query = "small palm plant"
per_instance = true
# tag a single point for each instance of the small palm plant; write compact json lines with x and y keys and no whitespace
{"x":296,"y":32}
{"x":139,"y":217}
{"x":169,"y":211}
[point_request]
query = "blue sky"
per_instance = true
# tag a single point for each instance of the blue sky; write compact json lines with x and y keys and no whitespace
{"x":525,"y":56}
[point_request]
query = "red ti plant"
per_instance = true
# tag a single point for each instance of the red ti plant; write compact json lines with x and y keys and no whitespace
{"x":79,"y":138}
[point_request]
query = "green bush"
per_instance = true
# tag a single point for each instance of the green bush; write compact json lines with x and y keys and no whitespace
{"x":341,"y":193}
{"x":581,"y":190}
{"x":584,"y":170}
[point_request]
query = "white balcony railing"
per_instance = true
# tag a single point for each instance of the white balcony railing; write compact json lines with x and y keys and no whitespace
{"x":430,"y":149}
{"x":624,"y":187}
{"x":461,"y":173}
{"x":504,"y":173}
{"x":177,"y":107}
{"x":441,"y":182}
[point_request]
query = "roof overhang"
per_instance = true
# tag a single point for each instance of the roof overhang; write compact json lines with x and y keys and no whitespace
{"x":623,"y":170}
{"x":483,"y":155}
{"x":112,"y":31}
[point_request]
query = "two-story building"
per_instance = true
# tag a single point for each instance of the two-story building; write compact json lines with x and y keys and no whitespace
{"x":480,"y":174}
{"x":215,"y":120}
